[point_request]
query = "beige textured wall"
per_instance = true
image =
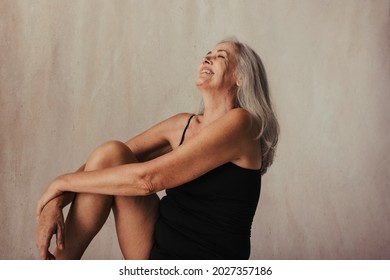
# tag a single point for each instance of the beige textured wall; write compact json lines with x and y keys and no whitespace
{"x":77,"y":73}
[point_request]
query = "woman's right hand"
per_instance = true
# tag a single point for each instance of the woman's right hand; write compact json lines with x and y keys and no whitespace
{"x":50,"y":222}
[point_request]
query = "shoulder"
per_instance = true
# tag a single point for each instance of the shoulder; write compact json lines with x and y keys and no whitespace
{"x":178,"y":121}
{"x":172,"y":127}
{"x":237,"y":120}
{"x":232,"y":129}
{"x":174,"y":121}
{"x":242,"y":130}
{"x":237,"y":117}
{"x":164,"y":130}
{"x":180,"y":117}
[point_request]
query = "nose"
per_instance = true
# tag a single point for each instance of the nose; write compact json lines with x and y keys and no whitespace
{"x":207,"y":60}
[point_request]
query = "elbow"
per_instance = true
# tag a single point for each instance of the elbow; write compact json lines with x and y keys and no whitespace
{"x":150,"y":184}
{"x":150,"y":180}
{"x":148,"y":188}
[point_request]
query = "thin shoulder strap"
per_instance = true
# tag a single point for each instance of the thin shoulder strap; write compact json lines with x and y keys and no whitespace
{"x":185,"y":129}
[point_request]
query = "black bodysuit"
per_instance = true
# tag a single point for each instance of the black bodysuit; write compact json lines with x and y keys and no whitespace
{"x":209,"y":217}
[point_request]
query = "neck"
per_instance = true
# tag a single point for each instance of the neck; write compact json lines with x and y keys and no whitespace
{"x":215,"y":106}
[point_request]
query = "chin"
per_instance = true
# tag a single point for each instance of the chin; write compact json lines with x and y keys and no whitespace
{"x":202,"y":86}
{"x":202,"y":83}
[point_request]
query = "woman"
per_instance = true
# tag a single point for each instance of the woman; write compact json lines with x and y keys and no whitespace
{"x":209,"y":164}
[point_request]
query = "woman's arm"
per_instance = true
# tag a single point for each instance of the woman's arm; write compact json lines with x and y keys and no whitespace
{"x":222,"y":141}
{"x":67,"y":197}
{"x":50,"y":222}
{"x":159,"y":139}
{"x":150,"y":144}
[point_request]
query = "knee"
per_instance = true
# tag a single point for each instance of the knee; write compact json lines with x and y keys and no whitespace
{"x":111,"y":153}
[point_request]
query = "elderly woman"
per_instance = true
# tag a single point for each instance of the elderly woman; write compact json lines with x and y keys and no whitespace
{"x":210,"y":165}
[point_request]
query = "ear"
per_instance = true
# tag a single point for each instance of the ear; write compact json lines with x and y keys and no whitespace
{"x":238,"y":82}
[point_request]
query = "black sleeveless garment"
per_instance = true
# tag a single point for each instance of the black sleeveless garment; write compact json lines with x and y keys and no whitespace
{"x":209,"y":217}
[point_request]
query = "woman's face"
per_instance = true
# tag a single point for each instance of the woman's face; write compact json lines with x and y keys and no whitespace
{"x":217,"y":69}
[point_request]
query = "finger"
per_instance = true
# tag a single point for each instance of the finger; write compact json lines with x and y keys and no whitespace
{"x":60,"y":236}
{"x":39,"y":208}
{"x":41,"y":204}
{"x":38,"y":241}
{"x":43,"y":253}
{"x":43,"y":242}
{"x":43,"y":250}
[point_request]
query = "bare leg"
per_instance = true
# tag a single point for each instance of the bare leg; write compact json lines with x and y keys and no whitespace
{"x":134,"y":216}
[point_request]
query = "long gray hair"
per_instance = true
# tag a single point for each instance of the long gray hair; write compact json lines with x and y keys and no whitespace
{"x":253,"y":95}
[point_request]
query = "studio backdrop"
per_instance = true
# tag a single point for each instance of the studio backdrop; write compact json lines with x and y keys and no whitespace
{"x":74,"y":74}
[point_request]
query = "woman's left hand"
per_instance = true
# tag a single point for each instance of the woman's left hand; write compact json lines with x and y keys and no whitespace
{"x":51,"y":192}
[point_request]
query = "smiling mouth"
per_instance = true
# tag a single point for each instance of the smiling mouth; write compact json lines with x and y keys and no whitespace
{"x":207,"y":71}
